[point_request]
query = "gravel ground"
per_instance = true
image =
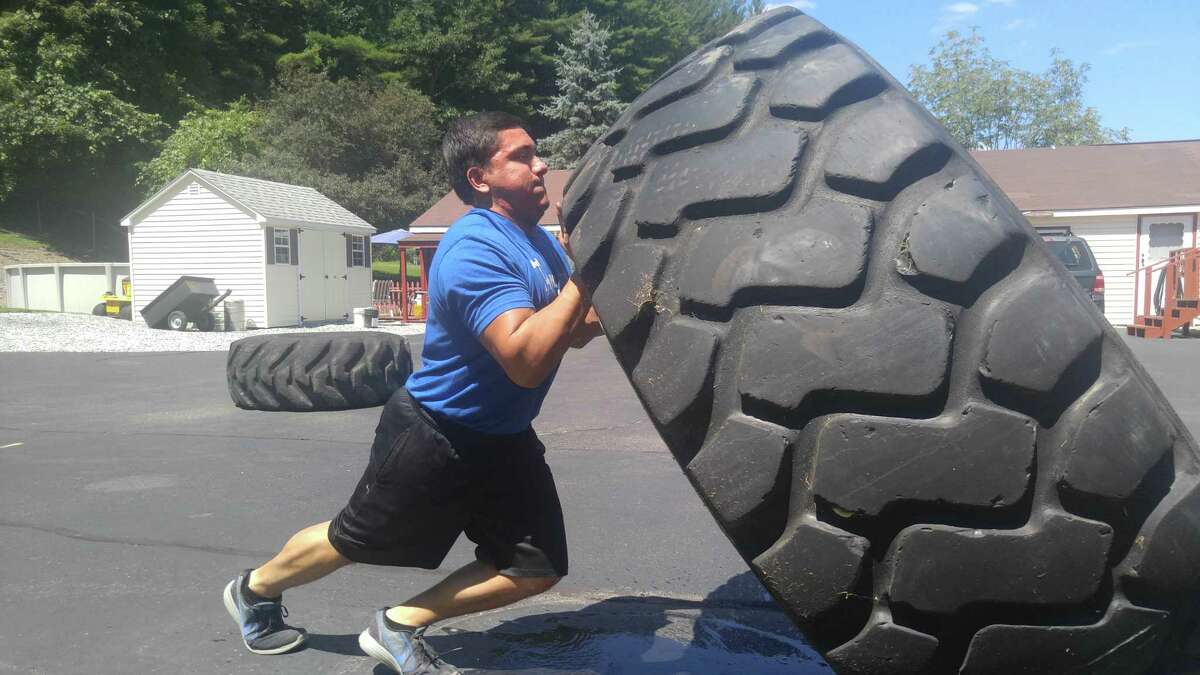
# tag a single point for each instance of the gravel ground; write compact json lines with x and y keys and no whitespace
{"x":51,"y":332}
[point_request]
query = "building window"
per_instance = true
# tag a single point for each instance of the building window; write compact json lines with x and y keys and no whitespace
{"x":358,"y":255}
{"x":283,"y":247}
{"x":1166,"y":234}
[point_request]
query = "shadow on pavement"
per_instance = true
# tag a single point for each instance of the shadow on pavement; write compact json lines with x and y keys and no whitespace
{"x":346,"y":645}
{"x":733,"y":630}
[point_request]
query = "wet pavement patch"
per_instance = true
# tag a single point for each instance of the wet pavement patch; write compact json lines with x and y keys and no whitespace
{"x":652,"y":635}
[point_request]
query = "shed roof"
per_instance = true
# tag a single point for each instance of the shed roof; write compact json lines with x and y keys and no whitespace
{"x":1114,"y":176}
{"x":1124,"y":175}
{"x":271,"y":201}
{"x":450,"y":207}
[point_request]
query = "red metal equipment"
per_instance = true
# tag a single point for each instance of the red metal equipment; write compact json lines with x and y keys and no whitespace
{"x":407,"y":300}
{"x":1178,"y":282}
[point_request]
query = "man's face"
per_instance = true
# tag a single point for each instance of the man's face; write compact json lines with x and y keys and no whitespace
{"x":514,"y":176}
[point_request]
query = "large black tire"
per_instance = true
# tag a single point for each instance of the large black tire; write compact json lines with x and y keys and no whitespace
{"x":317,"y":371}
{"x":920,"y":434}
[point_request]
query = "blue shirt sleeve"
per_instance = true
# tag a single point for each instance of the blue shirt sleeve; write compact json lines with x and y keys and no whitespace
{"x":480,"y":284}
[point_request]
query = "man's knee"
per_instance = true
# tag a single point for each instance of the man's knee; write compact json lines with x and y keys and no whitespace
{"x":534,"y":585}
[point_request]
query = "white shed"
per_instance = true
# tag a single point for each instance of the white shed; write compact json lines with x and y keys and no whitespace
{"x":1132,"y":202}
{"x":291,"y":254}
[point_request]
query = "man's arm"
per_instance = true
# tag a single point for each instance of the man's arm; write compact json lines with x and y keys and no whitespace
{"x":528,"y":345}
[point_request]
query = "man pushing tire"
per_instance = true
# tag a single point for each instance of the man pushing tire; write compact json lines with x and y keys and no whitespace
{"x":455,"y":450}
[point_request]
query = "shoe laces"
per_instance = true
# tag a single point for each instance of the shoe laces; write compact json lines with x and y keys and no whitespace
{"x":435,"y":659}
{"x":273,"y":613}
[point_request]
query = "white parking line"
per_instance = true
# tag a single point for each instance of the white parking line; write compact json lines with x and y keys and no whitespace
{"x":10,"y":445}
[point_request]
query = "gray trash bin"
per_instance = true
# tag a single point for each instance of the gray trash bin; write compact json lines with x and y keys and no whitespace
{"x":366,"y":317}
{"x":235,"y":315}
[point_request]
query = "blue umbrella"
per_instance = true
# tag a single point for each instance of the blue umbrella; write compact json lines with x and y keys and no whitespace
{"x":391,"y":237}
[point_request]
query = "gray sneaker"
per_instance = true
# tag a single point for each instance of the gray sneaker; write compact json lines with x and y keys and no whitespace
{"x":404,"y":652}
{"x":263,"y":629}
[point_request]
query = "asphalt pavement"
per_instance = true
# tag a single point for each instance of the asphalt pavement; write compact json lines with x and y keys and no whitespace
{"x":132,"y":490}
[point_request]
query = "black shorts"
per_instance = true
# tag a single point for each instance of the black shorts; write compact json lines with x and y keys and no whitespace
{"x":429,"y":480}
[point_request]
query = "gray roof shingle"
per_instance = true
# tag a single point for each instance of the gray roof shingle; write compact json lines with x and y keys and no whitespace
{"x":282,"y":201}
{"x":1116,"y":176}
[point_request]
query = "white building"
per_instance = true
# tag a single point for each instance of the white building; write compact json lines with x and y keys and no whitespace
{"x":1132,"y":203}
{"x":289,"y":253}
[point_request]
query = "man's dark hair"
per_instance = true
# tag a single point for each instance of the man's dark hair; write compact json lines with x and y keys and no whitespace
{"x":469,"y":142}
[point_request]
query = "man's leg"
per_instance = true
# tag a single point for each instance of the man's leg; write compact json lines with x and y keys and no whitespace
{"x":474,"y":587}
{"x":522,"y":542}
{"x":306,"y":557}
{"x":255,"y":598}
{"x":396,"y":637}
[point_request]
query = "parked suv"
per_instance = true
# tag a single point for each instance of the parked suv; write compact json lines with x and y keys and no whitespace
{"x":1073,"y":252}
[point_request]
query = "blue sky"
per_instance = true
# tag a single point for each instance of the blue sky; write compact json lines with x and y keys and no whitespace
{"x":1145,"y":56}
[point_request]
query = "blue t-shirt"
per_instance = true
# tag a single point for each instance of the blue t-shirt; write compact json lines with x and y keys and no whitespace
{"x":484,"y":266}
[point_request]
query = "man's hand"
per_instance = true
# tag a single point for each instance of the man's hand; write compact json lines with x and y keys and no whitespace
{"x":564,"y":239}
{"x":587,"y":329}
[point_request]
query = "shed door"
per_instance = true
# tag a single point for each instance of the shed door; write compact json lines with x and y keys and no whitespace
{"x":337,"y":304}
{"x":1162,"y":234}
{"x":312,"y":268}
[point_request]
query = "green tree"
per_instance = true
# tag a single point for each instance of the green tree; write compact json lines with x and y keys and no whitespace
{"x":206,"y":139}
{"x":649,"y":36}
{"x":89,"y":89}
{"x":470,"y":55}
{"x":372,"y":147}
{"x":587,"y":100}
{"x":986,"y":103}
{"x":463,"y":54}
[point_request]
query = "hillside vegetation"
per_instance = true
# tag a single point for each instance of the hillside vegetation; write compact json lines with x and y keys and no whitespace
{"x":102,"y":102}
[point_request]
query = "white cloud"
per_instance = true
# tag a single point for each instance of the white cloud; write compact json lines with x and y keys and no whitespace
{"x":954,"y":15}
{"x":1126,"y":46}
{"x":802,"y":5}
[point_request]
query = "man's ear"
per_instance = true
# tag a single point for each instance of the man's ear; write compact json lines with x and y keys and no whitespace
{"x":475,"y":178}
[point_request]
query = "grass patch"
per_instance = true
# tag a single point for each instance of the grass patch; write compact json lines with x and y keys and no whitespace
{"x":386,"y":268}
{"x":390,"y":269}
{"x":10,"y":239}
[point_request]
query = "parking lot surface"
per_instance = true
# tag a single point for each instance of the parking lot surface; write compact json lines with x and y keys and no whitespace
{"x":132,"y":490}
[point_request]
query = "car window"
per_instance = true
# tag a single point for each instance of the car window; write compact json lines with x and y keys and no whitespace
{"x":1072,"y":254}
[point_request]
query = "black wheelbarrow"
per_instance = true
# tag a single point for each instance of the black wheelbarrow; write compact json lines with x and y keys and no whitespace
{"x":187,"y":300}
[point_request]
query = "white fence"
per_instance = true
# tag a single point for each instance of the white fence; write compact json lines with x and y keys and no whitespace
{"x":61,"y":287}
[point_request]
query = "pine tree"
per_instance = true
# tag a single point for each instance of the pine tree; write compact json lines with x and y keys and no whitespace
{"x":587,"y":99}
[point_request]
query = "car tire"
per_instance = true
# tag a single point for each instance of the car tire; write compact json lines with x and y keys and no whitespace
{"x":100,"y":310}
{"x":125,"y":312}
{"x":918,"y":431}
{"x":317,"y":371}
